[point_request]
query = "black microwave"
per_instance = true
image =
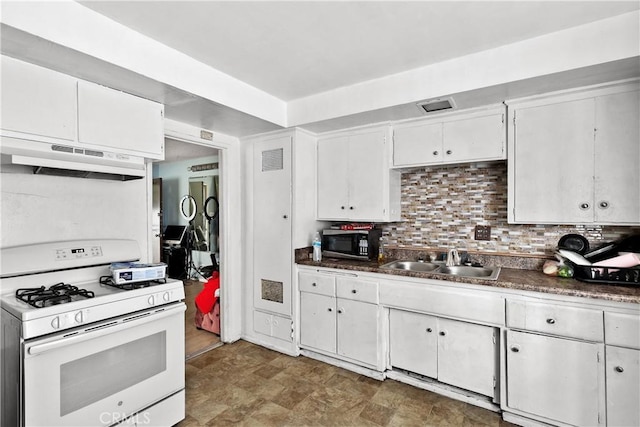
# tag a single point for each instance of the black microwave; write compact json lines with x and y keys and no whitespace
{"x":351,"y":244}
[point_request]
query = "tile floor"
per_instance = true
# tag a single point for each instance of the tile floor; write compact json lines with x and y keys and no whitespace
{"x":247,"y":385}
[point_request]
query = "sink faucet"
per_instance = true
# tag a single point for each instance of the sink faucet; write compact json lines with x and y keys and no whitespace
{"x":453,"y":258}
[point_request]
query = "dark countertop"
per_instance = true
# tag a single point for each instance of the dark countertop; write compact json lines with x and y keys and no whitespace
{"x":509,"y":278}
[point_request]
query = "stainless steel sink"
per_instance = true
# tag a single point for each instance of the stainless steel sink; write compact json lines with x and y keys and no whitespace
{"x":410,"y":266}
{"x":488,"y":273}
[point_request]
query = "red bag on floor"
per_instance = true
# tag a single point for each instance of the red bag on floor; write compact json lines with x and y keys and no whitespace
{"x":208,"y":306}
{"x":209,"y":321}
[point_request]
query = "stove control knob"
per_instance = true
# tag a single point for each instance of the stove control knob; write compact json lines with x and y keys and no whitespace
{"x":79,"y":317}
{"x":166,"y":296}
{"x":55,"y":323}
{"x":151,"y":300}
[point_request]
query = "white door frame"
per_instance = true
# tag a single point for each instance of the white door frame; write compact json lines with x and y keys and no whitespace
{"x":230,"y":222}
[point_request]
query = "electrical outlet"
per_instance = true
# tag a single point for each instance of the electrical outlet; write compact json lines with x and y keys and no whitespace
{"x":483,"y":232}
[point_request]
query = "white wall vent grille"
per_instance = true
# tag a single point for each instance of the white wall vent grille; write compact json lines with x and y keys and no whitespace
{"x":272,"y":160}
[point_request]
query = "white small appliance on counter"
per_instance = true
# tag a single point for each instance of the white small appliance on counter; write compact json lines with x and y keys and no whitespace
{"x":81,"y":350}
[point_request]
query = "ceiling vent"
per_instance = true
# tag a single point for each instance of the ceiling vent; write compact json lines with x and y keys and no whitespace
{"x":439,"y":104}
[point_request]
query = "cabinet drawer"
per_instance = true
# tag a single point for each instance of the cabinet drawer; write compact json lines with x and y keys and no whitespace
{"x":357,"y":290}
{"x":553,"y":319}
{"x":317,"y":284}
{"x":476,"y":306}
{"x":622,"y":329}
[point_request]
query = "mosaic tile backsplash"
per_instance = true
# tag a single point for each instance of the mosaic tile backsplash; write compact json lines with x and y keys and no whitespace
{"x":442,"y":205}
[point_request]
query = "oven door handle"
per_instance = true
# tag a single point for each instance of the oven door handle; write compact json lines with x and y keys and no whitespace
{"x":106,"y":328}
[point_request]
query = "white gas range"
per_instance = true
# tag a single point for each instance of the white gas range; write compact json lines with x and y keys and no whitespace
{"x":78,"y":351}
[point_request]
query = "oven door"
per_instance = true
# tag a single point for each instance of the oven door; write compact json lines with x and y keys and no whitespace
{"x":99,"y":375}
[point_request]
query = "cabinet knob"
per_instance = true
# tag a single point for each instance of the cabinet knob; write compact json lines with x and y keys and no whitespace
{"x":340,"y":310}
{"x":604,"y":204}
{"x":353,"y":291}
{"x":619,"y":369}
{"x":429,"y":330}
{"x":342,"y":207}
{"x":551,"y":321}
{"x":584,"y":206}
{"x":449,"y":152}
{"x":330,"y":309}
{"x":285,"y":216}
{"x":435,"y":153}
{"x":314,"y":284}
{"x":515,"y":349}
{"x":443,"y":333}
{"x":351,"y":207}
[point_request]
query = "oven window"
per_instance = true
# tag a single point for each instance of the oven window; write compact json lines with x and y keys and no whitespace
{"x":92,"y":378}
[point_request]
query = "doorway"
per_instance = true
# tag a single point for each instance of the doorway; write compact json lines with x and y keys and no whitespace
{"x":186,"y":196}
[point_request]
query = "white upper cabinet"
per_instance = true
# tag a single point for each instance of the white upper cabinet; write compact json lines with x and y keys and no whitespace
{"x":459,"y":137}
{"x":110,"y":118}
{"x":44,"y":105}
{"x":37,"y":101}
{"x":575,"y":158}
{"x":355,"y":182}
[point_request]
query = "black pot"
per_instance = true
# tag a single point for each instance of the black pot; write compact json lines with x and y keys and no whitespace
{"x":574,"y":242}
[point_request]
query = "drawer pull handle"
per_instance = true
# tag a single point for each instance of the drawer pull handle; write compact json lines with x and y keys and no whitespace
{"x":353,"y":291}
{"x":429,"y":330}
{"x":443,"y":333}
{"x":584,"y":206}
{"x":515,"y":349}
{"x":619,"y":369}
{"x":551,"y":321}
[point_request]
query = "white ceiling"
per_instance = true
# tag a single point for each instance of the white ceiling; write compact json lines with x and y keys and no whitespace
{"x":294,"y":49}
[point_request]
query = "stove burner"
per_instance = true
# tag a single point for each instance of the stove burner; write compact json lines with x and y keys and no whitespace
{"x":129,"y":286}
{"x":59,"y":293}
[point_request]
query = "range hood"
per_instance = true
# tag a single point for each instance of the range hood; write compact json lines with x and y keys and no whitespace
{"x":69,"y":160}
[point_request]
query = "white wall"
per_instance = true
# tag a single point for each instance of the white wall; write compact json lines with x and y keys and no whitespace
{"x":40,"y":208}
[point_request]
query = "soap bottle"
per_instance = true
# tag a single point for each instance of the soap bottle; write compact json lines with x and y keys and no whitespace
{"x":381,"y":254}
{"x":317,"y":247}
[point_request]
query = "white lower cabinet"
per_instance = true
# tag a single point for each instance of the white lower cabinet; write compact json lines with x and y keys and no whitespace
{"x":340,"y":318}
{"x":622,"y":338}
{"x":318,"y":322}
{"x":272,"y":325}
{"x":559,"y":379}
{"x":623,"y":386}
{"x":458,"y":353}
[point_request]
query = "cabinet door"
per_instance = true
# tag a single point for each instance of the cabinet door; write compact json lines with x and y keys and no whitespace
{"x":318,"y":322}
{"x":37,"y":101}
{"x":366,"y":176}
{"x":414,"y":342}
{"x":114,"y":119}
{"x":272,"y":259}
{"x":358,"y":331}
{"x":333,"y":192}
{"x":417,"y":144}
{"x":617,"y":158}
{"x":467,"y":356}
{"x":623,"y":386}
{"x":477,"y":138}
{"x":556,"y":378}
{"x":553,"y":158}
